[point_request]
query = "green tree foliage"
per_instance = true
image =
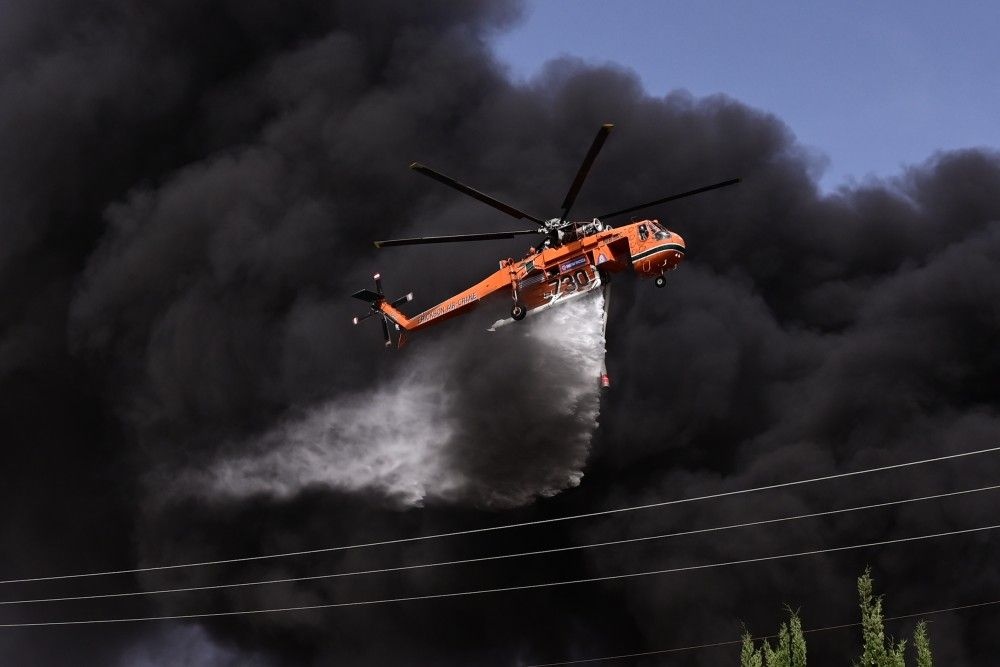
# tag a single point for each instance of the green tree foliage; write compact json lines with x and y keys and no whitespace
{"x":750,"y":656}
{"x":876,"y":651}
{"x":797,"y":642}
{"x":788,"y":651}
{"x":923,"y":645}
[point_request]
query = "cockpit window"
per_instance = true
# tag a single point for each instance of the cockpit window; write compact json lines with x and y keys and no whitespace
{"x":659,"y":232}
{"x":643,"y":232}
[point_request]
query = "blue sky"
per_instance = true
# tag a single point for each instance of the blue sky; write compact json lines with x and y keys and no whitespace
{"x":873,"y":86}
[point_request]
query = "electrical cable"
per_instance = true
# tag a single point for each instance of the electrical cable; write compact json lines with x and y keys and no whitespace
{"x":539,"y":552}
{"x":503,"y":589}
{"x":522,"y":524}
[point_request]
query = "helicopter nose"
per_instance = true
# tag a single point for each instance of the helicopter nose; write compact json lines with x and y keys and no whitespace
{"x":677,"y":249}
{"x":663,"y":254}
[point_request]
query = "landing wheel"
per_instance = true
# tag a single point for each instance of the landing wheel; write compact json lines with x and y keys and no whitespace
{"x":661,"y":281}
{"x":518,"y":311}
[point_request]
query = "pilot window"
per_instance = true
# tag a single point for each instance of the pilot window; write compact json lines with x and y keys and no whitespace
{"x":659,"y":232}
{"x":643,"y":232}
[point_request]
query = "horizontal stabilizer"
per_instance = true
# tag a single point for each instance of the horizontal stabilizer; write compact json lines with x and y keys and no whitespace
{"x":403,"y":299}
{"x":367,"y":295}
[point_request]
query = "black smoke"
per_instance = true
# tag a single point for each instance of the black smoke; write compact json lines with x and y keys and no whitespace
{"x":188,"y":195}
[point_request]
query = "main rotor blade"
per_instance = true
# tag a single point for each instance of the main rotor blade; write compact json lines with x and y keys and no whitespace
{"x":581,"y":175}
{"x":475,"y":194}
{"x":457,"y":237}
{"x":385,"y":332}
{"x":714,"y":186}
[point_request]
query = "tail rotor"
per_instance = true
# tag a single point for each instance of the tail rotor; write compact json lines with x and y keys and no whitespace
{"x":376,"y":300}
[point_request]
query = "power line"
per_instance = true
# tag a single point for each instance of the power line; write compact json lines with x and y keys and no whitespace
{"x":522,"y":524}
{"x":539,"y":552}
{"x":733,"y":642}
{"x":503,"y":589}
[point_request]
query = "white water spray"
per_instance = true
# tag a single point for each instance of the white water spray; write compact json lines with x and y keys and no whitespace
{"x":499,"y":421}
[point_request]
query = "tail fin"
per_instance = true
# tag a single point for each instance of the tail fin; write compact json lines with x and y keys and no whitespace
{"x":377,"y":306}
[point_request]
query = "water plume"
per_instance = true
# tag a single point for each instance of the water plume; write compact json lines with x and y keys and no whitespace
{"x":494,"y":419}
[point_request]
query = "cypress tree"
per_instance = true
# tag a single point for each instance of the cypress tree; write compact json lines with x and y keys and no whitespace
{"x":877,"y":651}
{"x":778,"y":656}
{"x":923,"y":645}
{"x":789,"y":650}
{"x":750,"y":656}
{"x":797,"y":642}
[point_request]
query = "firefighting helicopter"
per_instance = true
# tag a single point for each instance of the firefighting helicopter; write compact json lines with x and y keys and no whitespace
{"x":573,"y":258}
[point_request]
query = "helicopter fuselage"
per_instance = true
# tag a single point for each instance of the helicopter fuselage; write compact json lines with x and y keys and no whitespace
{"x":553,"y":274}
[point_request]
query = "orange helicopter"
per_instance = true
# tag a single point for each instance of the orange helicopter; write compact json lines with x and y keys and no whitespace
{"x":574,"y":258}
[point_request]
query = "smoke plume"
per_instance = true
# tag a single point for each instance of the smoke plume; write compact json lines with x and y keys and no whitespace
{"x":188,"y":197}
